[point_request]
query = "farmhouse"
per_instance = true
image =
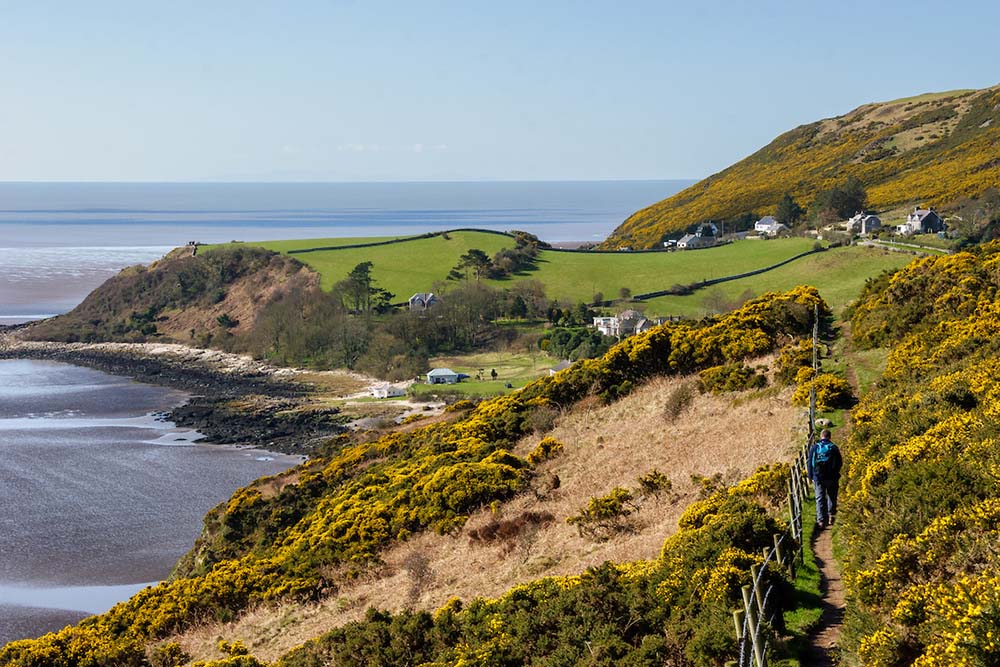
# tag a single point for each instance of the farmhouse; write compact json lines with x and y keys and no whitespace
{"x":691,"y":241}
{"x":442,"y":376}
{"x":626,"y":323}
{"x":422,"y":300}
{"x":769,"y":226}
{"x":922,"y":221}
{"x":705,"y":237}
{"x":387,"y":391}
{"x":863,"y":223}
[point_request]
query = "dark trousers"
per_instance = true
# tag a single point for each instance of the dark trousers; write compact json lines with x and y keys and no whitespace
{"x":826,"y":499}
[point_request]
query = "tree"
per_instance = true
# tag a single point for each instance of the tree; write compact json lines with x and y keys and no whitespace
{"x":360,"y":293}
{"x":843,"y":200}
{"x":476,"y":260}
{"x":789,"y":212}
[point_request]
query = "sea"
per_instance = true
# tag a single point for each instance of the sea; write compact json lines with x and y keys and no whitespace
{"x":99,"y":496}
{"x":58,"y":241}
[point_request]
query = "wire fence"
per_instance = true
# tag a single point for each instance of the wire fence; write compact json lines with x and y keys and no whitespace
{"x":760,"y":618}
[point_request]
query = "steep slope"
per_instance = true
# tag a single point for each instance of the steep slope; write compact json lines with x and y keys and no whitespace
{"x":926,"y":150}
{"x":922,"y":500}
{"x":605,"y":445}
{"x":306,"y":534}
{"x":182,"y":298}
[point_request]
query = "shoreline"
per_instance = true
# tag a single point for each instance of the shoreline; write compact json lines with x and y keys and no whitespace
{"x":233,"y":399}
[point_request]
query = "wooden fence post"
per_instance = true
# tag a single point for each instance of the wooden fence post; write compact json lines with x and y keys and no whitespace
{"x":738,"y":615}
{"x":752,"y":620}
{"x":758,"y":595}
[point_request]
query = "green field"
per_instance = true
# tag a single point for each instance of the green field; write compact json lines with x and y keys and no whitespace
{"x":416,"y":265}
{"x":401,"y":268}
{"x":839,"y":274}
{"x":516,"y":368}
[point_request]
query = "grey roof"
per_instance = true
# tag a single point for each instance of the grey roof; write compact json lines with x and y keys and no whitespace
{"x":686,"y":238}
{"x":768,"y":220}
{"x":562,"y":365}
{"x":438,"y":372}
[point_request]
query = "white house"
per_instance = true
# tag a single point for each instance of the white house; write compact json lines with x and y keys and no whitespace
{"x":606,"y":325}
{"x":769,"y":226}
{"x":442,"y":376}
{"x":626,"y":323}
{"x":422,"y":300}
{"x":691,"y":241}
{"x":388,"y":391}
{"x":863,"y":223}
{"x":922,"y":221}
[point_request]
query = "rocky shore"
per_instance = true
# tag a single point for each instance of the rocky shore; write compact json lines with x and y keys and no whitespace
{"x":234,"y":398}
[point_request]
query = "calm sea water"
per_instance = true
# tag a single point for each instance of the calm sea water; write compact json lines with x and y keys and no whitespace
{"x":97,"y":497}
{"x":60,"y":240}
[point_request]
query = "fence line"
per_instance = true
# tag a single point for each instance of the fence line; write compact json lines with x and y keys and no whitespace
{"x":756,"y":622}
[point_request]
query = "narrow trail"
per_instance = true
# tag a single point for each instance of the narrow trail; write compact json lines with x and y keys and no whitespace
{"x":823,"y":640}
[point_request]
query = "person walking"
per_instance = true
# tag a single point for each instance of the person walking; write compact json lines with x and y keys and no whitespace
{"x":825,"y":462}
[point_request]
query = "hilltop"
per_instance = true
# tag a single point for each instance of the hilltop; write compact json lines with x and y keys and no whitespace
{"x":930,"y":150}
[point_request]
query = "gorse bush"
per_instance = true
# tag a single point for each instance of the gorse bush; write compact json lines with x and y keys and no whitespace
{"x":923,"y":491}
{"x":832,"y":392}
{"x":815,"y":158}
{"x":344,"y":509}
{"x":731,"y":377}
{"x":606,"y":515}
{"x":672,"y":610}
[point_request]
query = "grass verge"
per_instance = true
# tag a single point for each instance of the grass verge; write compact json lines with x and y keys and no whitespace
{"x":807,"y":598}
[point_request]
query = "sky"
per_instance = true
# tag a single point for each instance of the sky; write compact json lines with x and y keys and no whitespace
{"x":417,"y":90}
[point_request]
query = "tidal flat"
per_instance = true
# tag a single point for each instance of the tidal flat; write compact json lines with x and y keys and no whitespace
{"x":99,"y":496}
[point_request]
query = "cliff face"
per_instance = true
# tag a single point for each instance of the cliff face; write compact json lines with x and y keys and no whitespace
{"x":181,"y":298}
{"x":930,"y":149}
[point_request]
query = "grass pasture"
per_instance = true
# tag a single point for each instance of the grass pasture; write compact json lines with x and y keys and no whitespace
{"x":416,"y":265}
{"x":839,"y":274}
{"x":516,"y":368}
{"x":402,"y":268}
{"x":578,"y":276}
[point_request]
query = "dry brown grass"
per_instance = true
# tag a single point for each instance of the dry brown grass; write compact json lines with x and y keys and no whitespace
{"x":605,"y":446}
{"x":243,"y":301}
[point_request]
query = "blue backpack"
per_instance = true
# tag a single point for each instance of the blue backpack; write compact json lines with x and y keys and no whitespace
{"x":822,"y":459}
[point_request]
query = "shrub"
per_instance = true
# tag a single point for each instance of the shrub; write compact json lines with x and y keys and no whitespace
{"x":679,"y":399}
{"x":792,"y":359}
{"x":832,"y":392}
{"x":547,"y":448}
{"x":654,"y":483}
{"x":731,"y":377}
{"x":605,"y":516}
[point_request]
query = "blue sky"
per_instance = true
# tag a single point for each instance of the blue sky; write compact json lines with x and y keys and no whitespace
{"x":369,"y":90}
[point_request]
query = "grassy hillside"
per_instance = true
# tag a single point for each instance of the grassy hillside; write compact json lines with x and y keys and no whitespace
{"x":838,"y":274}
{"x":929,"y":149}
{"x":415,"y":265}
{"x":182,"y":298}
{"x":694,"y":443}
{"x":402,"y":268}
{"x":304,"y":535}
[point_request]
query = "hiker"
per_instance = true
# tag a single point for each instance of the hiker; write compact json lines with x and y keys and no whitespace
{"x":824,"y":463}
